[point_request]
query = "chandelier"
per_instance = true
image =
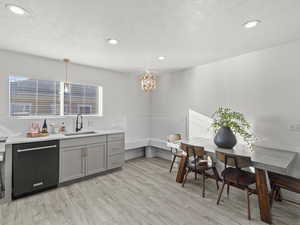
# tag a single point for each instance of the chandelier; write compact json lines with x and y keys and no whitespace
{"x":148,"y":81}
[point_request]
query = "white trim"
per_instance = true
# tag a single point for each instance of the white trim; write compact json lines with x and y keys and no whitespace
{"x":9,"y":95}
{"x":62,"y":98}
{"x":100,"y":100}
{"x":51,"y":117}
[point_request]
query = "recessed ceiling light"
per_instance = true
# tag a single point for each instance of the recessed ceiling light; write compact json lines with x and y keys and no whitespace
{"x":161,"y":58}
{"x":112,"y":41}
{"x":17,"y":10}
{"x":251,"y":23}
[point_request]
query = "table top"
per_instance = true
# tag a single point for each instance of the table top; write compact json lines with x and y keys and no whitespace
{"x":270,"y":159}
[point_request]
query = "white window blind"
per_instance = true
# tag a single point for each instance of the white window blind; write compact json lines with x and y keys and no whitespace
{"x":81,"y":99}
{"x":29,"y":97}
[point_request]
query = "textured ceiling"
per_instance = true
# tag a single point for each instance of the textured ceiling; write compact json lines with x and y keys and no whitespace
{"x":187,"y":32}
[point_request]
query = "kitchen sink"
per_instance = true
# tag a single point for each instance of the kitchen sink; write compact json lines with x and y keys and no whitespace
{"x":80,"y":133}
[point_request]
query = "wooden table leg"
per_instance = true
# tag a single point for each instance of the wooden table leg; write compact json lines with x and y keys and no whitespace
{"x":263,"y":195}
{"x":181,"y":170}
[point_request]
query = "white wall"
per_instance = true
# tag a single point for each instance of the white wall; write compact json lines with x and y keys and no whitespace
{"x":124,"y":104}
{"x":264,"y":85}
{"x":199,"y":125}
{"x":180,"y":91}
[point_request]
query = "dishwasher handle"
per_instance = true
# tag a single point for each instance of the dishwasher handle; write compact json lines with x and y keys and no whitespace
{"x":37,"y":148}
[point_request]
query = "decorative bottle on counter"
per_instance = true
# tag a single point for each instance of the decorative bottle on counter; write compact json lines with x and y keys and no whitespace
{"x":44,"y":128}
{"x":62,"y":127}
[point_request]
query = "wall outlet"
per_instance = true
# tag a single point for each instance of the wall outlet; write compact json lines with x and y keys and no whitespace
{"x":294,"y":128}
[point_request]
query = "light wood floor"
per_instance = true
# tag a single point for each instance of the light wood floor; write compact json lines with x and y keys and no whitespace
{"x":144,"y":193}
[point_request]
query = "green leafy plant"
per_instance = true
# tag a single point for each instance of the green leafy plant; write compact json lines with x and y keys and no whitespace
{"x":225,"y":117}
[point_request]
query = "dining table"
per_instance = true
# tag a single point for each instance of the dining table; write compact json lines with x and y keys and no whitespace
{"x":263,"y":160}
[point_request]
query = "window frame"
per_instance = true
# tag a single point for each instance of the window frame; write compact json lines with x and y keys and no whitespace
{"x":61,"y":96}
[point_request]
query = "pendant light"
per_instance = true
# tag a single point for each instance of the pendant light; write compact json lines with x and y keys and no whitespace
{"x":66,"y":83}
{"x":148,"y":81}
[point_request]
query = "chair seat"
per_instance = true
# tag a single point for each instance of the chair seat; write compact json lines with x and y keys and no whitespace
{"x":238,"y":177}
{"x":201,"y":165}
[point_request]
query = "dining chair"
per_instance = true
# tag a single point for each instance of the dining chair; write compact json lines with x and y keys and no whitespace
{"x":173,"y":143}
{"x":197,"y":163}
{"x":236,"y":176}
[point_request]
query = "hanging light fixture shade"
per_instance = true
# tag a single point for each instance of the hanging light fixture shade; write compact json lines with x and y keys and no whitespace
{"x":66,"y":83}
{"x":148,"y":81}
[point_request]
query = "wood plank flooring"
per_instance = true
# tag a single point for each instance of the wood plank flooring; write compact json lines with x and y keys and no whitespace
{"x":142,"y":193}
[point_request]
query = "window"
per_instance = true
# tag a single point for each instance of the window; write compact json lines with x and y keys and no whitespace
{"x":30,"y":97}
{"x":21,"y":108}
{"x":81,"y":99}
{"x":84,"y":109}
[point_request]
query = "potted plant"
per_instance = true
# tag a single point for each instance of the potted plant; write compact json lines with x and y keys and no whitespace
{"x":226,"y":124}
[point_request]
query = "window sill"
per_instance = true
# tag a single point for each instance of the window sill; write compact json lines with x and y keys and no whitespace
{"x":52,"y":117}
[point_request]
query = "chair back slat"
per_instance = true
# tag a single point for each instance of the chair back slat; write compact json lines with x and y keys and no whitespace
{"x":193,"y":151}
{"x":174,"y":137}
{"x":234,"y":161}
{"x":184,"y":147}
{"x":199,"y":151}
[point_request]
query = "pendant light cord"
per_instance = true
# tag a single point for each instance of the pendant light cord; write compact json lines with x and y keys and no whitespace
{"x":66,"y":69}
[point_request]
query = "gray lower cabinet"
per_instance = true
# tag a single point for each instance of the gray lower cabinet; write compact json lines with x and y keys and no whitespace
{"x":85,"y":156}
{"x":72,"y":163}
{"x":95,"y":158}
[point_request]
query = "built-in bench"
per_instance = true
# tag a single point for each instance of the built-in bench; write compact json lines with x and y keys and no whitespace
{"x":148,"y":147}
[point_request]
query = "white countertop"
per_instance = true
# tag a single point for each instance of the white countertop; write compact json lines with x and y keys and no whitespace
{"x":23,"y":139}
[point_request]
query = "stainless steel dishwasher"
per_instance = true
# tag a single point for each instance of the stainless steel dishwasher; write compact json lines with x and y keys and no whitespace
{"x":35,"y":167}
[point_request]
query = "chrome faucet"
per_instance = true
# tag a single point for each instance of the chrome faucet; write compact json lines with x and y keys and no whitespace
{"x":77,"y":123}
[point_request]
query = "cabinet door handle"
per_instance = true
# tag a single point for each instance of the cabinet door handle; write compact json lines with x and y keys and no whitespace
{"x":83,"y":161}
{"x":38,"y":184}
{"x":82,"y":165}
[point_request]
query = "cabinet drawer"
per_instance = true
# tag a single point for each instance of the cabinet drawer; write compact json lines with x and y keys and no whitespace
{"x":115,"y":161}
{"x":115,"y":137}
{"x":82,"y":141}
{"x":115,"y":147}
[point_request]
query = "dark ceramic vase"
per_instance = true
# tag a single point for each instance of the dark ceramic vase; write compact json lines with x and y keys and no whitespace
{"x":225,"y":138}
